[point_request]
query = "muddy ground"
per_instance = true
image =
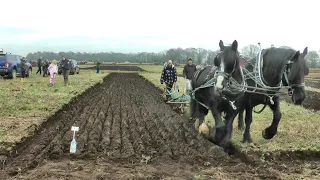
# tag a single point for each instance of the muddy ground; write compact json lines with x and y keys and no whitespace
{"x":313,"y":82}
{"x":116,"y":67}
{"x":126,"y":131}
{"x":312,"y":100}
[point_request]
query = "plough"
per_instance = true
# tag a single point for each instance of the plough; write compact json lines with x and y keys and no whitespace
{"x":179,"y":100}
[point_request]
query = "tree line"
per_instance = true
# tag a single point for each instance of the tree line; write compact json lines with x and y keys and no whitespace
{"x":179,"y":55}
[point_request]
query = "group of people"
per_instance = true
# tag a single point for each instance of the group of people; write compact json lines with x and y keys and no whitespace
{"x":50,"y":69}
{"x":169,"y":74}
{"x":44,"y":66}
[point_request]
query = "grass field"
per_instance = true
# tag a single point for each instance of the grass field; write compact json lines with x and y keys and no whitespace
{"x":26,"y":105}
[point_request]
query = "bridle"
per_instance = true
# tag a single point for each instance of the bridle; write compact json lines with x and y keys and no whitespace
{"x":291,"y":87}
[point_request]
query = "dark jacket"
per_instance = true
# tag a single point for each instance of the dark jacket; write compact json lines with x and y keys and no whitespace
{"x":46,"y":64}
{"x":169,"y":75}
{"x":23,"y":65}
{"x":39,"y":62}
{"x":65,"y":64}
{"x":189,"y":70}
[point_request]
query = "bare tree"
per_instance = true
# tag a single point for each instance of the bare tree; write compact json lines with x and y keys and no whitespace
{"x":250,"y":51}
{"x":312,"y":58}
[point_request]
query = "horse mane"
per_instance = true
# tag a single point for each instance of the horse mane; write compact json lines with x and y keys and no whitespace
{"x":274,"y":61}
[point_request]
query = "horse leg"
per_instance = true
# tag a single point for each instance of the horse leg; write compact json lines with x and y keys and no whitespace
{"x":240,"y":120}
{"x":225,"y":142}
{"x":202,"y":111}
{"x":216,"y":115}
{"x":218,"y":131}
{"x":271,"y":131}
{"x":248,"y":121}
{"x":194,"y":109}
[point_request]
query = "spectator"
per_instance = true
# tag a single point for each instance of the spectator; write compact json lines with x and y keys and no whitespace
{"x":39,"y":65}
{"x":23,"y":68}
{"x":98,"y":66}
{"x":188,"y":72}
{"x":66,"y":66}
{"x":169,"y":75}
{"x":45,"y":68}
{"x":53,"y":70}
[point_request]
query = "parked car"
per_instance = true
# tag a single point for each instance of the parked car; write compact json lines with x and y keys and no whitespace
{"x":75,"y":68}
{"x":10,"y":65}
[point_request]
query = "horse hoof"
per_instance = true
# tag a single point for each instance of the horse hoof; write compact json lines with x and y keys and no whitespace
{"x":266,"y":134}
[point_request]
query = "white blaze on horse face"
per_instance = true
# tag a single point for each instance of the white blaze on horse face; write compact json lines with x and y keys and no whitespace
{"x":220,"y":78}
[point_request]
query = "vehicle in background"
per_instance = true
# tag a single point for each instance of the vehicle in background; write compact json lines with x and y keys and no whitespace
{"x":10,"y":65}
{"x":84,"y":62}
{"x":75,"y":68}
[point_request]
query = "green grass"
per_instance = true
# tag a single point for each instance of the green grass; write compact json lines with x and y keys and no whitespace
{"x":27,"y":104}
{"x":298,"y":129}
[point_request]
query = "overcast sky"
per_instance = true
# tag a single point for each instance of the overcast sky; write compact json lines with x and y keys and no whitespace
{"x":155,"y":25}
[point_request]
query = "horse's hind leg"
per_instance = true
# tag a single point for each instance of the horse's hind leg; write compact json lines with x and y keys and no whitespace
{"x":240,"y":120}
{"x":202,"y":111}
{"x":271,"y":131}
{"x":248,"y":120}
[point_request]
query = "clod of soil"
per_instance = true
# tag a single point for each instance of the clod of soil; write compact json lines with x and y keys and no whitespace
{"x":126,"y":131}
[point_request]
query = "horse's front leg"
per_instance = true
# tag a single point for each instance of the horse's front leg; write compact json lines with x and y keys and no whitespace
{"x":218,"y":130}
{"x":271,"y":131}
{"x":240,"y":120}
{"x":225,"y":142}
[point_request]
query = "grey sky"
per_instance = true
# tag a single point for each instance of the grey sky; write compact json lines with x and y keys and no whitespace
{"x":149,"y":25}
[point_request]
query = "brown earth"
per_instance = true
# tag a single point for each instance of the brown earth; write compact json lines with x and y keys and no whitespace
{"x":312,"y":100}
{"x":313,"y":82}
{"x":115,"y":68}
{"x":122,"y":123}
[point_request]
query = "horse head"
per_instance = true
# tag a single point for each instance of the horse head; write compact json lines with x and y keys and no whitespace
{"x":228,"y":63}
{"x":296,"y":73}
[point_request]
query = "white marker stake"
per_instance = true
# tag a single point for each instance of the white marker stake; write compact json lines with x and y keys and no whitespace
{"x":73,"y":146}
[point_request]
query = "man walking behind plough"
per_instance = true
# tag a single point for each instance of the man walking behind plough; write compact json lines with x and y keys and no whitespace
{"x":169,"y":75}
{"x":188,"y":72}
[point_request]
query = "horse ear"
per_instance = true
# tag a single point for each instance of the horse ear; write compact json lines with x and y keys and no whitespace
{"x":296,"y":56}
{"x":221,"y":45}
{"x":235,"y":45}
{"x":216,"y":61}
{"x":305,"y":51}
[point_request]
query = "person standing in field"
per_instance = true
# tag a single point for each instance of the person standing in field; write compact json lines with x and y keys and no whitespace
{"x":45,"y":68}
{"x":169,"y":75}
{"x":53,"y":70}
{"x":23,"y":67}
{"x":98,"y":66}
{"x":39,"y":65}
{"x":66,"y":66}
{"x":188,"y":72}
